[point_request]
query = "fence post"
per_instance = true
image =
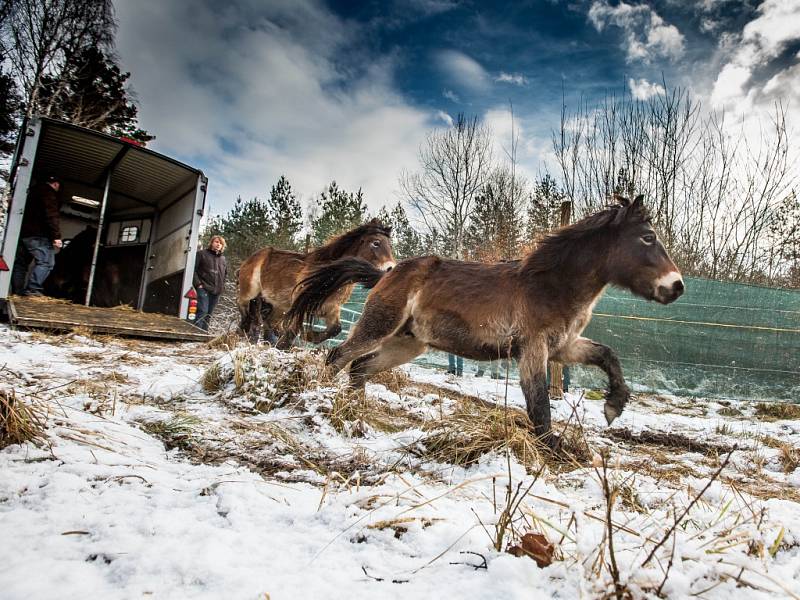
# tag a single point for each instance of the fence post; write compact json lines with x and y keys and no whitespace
{"x":556,"y":369}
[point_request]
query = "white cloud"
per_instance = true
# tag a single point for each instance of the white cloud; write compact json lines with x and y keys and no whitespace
{"x":444,"y":118}
{"x":647,"y":35}
{"x":533,"y":153}
{"x":786,"y":85}
{"x":431,"y":7}
{"x":463,"y":70}
{"x":730,"y":84}
{"x":251,"y":91}
{"x":515,"y":79}
{"x":641,"y":89}
{"x":777,"y":25}
{"x":451,"y":95}
{"x":762,"y":40}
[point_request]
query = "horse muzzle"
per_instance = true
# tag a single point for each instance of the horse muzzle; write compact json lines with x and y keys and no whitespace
{"x":388,"y":266}
{"x":668,"y":288}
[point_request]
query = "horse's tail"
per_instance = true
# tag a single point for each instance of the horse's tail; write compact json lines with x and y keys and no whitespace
{"x":324,"y":282}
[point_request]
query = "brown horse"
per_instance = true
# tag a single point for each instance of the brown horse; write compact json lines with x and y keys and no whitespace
{"x":533,"y":310}
{"x":272,"y":275}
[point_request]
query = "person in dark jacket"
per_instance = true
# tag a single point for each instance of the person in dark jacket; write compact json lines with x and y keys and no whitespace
{"x":40,"y":235}
{"x":210,"y":270}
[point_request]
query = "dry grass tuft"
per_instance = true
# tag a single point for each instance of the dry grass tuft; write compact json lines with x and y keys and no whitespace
{"x":274,"y":379}
{"x":225,"y":341}
{"x":214,"y":379}
{"x":352,"y":412}
{"x":400,"y":526}
{"x":19,"y":422}
{"x":629,"y":498}
{"x":81,"y":331}
{"x":132,"y":358}
{"x":729,"y":411}
{"x":46,"y":300}
{"x":776,"y":411}
{"x":395,"y":380}
{"x":90,"y":357}
{"x":177,"y":431}
{"x":476,"y":428}
{"x":126,"y":307}
{"x":789,"y":457}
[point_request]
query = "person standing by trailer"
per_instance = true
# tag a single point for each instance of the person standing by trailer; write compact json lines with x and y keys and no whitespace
{"x":210,"y":270}
{"x":40,"y":235}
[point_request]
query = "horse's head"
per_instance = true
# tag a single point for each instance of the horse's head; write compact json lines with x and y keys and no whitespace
{"x":638,"y":260}
{"x":375,"y":245}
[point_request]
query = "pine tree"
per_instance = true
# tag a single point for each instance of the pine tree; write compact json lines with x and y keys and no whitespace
{"x":495,"y":231}
{"x":340,"y":211}
{"x":91,"y":91}
{"x":285,"y":215}
{"x":406,"y":241}
{"x":246,"y":228}
{"x":9,"y":109}
{"x":544,"y":209}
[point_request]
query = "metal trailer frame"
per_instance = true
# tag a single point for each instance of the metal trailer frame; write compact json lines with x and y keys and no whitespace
{"x":121,"y":167}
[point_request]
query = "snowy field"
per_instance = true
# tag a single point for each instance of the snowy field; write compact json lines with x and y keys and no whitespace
{"x":183,"y":471}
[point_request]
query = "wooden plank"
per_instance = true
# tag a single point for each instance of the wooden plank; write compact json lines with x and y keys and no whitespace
{"x":47,"y":313}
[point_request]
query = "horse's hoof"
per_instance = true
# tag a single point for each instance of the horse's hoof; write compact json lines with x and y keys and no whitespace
{"x":611,"y":413}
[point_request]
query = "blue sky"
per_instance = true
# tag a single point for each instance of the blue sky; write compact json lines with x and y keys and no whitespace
{"x":249,"y":90}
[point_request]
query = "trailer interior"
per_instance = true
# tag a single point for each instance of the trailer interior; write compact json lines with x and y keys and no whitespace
{"x":129,"y":218}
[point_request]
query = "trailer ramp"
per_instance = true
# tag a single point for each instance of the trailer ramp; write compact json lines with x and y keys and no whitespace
{"x":59,"y":315}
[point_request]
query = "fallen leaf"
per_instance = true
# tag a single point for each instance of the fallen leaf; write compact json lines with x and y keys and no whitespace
{"x":536,"y":546}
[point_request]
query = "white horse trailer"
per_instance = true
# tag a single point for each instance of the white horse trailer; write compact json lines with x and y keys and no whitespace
{"x":136,"y":214}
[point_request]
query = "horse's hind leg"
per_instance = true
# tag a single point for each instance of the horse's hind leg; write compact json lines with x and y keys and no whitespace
{"x":267,"y":330}
{"x":587,"y":352}
{"x":245,"y":318}
{"x":379,"y":321}
{"x":533,"y":381}
{"x":248,"y":296}
{"x":397,"y":350}
{"x":250,"y":319}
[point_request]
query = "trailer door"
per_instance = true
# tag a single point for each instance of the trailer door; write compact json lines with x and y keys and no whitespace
{"x":169,"y":263}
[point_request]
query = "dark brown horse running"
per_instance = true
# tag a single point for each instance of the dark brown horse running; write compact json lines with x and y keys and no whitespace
{"x":533,"y":310}
{"x":271,"y":275}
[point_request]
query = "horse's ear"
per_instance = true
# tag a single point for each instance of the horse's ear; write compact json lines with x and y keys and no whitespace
{"x":638,"y":202}
{"x":621,"y":200}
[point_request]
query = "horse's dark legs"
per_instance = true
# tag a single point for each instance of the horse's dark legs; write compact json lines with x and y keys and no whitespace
{"x":265,"y":314}
{"x":587,"y":352}
{"x":246,"y":322}
{"x":533,"y":381}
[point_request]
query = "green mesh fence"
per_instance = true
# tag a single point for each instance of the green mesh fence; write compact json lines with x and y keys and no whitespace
{"x":718,"y":340}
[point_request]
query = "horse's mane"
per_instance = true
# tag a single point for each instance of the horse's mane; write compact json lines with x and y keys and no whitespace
{"x":336,"y":248}
{"x":554,"y":248}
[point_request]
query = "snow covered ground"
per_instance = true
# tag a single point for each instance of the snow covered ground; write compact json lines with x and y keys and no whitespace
{"x":181,"y":471}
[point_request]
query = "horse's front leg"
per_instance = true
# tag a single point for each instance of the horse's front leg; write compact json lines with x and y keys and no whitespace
{"x":585,"y":351}
{"x":533,"y":381}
